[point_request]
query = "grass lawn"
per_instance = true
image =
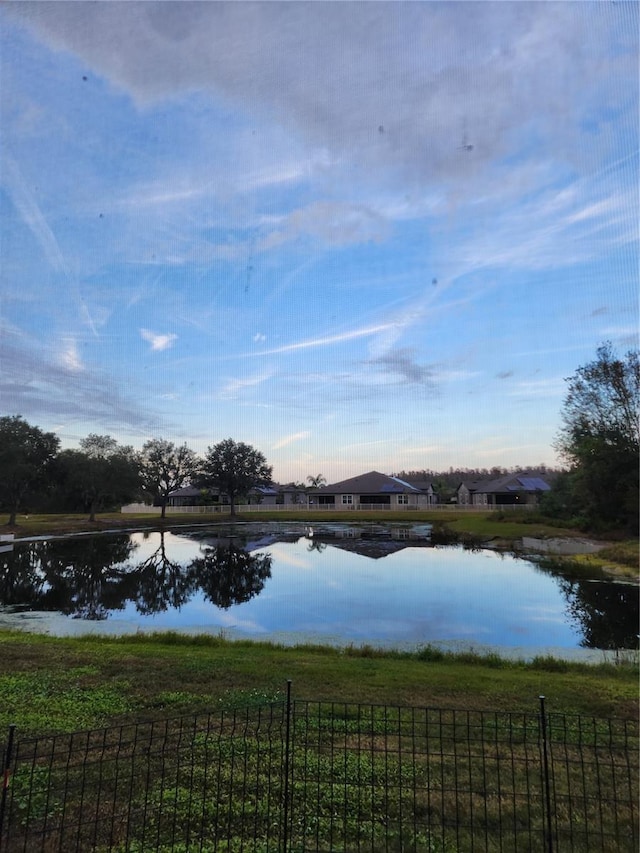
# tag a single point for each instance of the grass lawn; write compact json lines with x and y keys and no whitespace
{"x":480,"y":524}
{"x":61,"y":684}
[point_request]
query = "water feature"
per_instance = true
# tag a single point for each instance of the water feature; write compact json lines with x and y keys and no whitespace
{"x":335,"y":583}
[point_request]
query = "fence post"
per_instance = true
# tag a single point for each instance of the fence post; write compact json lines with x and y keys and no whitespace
{"x":287,"y":756}
{"x":6,"y":770}
{"x":546,"y":781}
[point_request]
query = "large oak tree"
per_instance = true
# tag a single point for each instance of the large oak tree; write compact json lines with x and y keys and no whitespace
{"x":165,"y":467}
{"x":101,"y":473}
{"x":234,"y":468}
{"x":26,"y":452}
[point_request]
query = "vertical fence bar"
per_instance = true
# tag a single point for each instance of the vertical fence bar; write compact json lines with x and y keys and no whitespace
{"x":287,"y":751}
{"x":6,"y":770}
{"x":545,"y":777}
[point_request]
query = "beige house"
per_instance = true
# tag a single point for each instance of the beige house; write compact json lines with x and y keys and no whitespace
{"x":372,"y":491}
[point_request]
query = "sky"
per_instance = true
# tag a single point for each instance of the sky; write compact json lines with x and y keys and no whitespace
{"x":354,"y":235}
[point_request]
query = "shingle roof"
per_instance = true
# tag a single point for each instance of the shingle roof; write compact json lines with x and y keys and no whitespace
{"x":508,"y":483}
{"x":185,"y":492}
{"x":371,"y":483}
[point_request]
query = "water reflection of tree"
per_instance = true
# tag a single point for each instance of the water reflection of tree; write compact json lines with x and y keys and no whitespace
{"x":606,"y":612}
{"x":228,"y":575}
{"x":22,"y":577}
{"x":161,"y":583}
{"x":85,"y":576}
{"x":89,"y":577}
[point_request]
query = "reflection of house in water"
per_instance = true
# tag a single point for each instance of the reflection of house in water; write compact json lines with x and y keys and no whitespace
{"x":373,"y":540}
{"x":249,"y":539}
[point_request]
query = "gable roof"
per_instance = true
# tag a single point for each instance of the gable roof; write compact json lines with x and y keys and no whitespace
{"x":371,"y":483}
{"x":421,"y":483}
{"x":509,"y":483}
{"x":186,"y":492}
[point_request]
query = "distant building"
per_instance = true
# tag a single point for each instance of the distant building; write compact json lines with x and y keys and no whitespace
{"x":524,"y":489}
{"x":191,"y":496}
{"x":278,"y":495}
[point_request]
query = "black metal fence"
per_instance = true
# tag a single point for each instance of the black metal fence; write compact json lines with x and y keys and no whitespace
{"x":297,"y":776}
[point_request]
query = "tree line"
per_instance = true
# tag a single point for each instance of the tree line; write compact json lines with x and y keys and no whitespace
{"x":103,"y":474}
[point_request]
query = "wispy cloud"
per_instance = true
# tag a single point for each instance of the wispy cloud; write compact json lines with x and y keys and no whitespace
{"x":233,"y":386}
{"x":333,"y":223}
{"x":158,"y":342}
{"x":161,"y":196}
{"x":329,"y":340}
{"x":40,"y":383}
{"x":31,"y":215}
{"x":70,"y":357}
{"x":290,"y":439}
{"x":401,"y":362}
{"x":549,"y":387}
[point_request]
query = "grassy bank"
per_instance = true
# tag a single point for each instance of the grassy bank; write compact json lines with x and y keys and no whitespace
{"x":484,"y":525}
{"x":61,"y":684}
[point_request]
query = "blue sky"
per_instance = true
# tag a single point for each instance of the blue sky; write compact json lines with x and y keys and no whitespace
{"x":356,"y":236}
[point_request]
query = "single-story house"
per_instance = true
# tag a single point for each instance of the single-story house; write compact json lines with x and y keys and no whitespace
{"x":511,"y":489}
{"x":371,"y":491}
{"x":426,"y":487}
{"x":191,"y":496}
{"x":271,"y":495}
{"x":277,"y":495}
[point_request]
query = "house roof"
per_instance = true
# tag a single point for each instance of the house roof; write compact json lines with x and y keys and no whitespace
{"x":422,"y":484}
{"x":371,"y":483}
{"x":185,"y":492}
{"x":266,"y":490}
{"x":277,"y":489}
{"x":508,"y":483}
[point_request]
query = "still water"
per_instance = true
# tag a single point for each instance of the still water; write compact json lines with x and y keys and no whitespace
{"x":330,"y":584}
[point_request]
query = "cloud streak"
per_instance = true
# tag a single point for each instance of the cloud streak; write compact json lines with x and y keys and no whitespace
{"x":329,"y":340}
{"x":291,"y":439}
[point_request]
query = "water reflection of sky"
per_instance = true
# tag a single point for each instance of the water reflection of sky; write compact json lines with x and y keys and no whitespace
{"x":414,"y":596}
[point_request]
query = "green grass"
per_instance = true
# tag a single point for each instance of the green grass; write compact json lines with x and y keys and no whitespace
{"x":61,"y":684}
{"x":511,"y":525}
{"x":361,"y":778}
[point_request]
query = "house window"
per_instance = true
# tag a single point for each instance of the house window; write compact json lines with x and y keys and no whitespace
{"x":403,"y":499}
{"x":347,"y":499}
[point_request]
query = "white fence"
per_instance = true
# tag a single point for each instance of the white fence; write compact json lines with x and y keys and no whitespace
{"x":172,"y":510}
{"x":200,"y":510}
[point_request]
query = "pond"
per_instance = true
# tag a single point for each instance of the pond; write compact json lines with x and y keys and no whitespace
{"x":334,"y":584}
